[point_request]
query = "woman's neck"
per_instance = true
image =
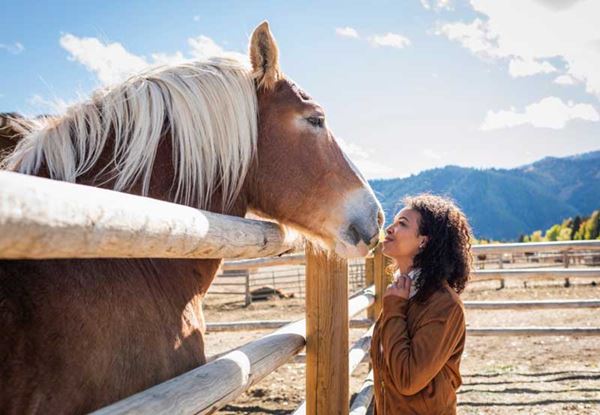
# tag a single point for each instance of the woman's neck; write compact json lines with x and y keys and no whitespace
{"x":405,"y":265}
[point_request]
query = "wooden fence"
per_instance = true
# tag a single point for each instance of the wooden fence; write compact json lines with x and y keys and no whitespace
{"x":286,"y":275}
{"x":40,"y":218}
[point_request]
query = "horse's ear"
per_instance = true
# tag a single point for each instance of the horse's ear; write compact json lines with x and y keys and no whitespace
{"x":264,"y":57}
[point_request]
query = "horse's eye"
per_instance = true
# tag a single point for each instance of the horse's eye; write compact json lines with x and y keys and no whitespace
{"x":316,"y":121}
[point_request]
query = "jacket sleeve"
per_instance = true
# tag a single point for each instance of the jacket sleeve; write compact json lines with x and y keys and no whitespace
{"x":414,"y":362}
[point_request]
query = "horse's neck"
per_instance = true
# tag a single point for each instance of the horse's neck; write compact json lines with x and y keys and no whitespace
{"x":193,"y":276}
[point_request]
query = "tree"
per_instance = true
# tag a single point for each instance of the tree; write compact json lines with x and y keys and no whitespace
{"x":575,"y":225}
{"x":592,"y":228}
{"x":537,"y":236}
{"x":564,"y":235}
{"x":553,"y":232}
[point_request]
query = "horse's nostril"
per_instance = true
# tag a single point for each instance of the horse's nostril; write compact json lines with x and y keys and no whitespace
{"x":353,"y":234}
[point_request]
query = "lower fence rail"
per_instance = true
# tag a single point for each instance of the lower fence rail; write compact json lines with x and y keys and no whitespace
{"x":207,"y":388}
{"x":363,"y":399}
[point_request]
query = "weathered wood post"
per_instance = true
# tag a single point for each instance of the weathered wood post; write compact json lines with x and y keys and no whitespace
{"x":370,"y":280}
{"x":566,"y":263}
{"x":380,"y":262}
{"x":327,"y":333}
{"x":501,"y":266}
{"x":248,"y":296}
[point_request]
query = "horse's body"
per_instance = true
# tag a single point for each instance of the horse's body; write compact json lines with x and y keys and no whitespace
{"x":80,"y":334}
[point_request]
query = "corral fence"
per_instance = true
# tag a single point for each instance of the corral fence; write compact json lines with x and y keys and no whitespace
{"x":263,"y":278}
{"x":40,"y":218}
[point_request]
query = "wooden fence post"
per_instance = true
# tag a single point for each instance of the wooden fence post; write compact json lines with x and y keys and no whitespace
{"x":370,"y":280}
{"x":327,"y":333}
{"x":566,"y":263}
{"x":247,"y":288}
{"x":380,"y":262}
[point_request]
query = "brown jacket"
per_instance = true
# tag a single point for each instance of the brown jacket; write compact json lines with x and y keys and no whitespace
{"x":415,"y":352}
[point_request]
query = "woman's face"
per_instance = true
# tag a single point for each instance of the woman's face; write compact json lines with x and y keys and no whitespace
{"x":402,"y":237}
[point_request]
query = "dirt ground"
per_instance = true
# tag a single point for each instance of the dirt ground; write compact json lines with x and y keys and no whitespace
{"x":501,"y":375}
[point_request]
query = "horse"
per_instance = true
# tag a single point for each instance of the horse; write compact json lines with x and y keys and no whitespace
{"x":221,"y":135}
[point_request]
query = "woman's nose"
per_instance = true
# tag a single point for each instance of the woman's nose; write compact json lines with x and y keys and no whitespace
{"x":388,"y":230}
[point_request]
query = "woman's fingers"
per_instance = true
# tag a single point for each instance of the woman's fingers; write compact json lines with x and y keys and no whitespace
{"x":404,"y":286}
{"x":400,"y":287}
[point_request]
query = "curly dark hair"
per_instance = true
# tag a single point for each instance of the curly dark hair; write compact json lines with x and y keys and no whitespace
{"x":447,"y":254}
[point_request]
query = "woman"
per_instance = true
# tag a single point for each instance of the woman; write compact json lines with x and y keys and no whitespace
{"x":420,"y":335}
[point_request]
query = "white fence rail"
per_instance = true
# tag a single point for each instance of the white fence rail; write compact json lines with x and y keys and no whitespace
{"x":41,"y":218}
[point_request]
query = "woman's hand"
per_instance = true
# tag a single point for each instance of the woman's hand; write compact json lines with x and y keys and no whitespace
{"x":399,"y":288}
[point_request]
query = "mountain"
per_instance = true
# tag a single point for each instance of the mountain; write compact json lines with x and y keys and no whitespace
{"x":501,"y":204}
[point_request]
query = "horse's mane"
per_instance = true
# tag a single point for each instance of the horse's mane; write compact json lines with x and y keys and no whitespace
{"x":209,"y":108}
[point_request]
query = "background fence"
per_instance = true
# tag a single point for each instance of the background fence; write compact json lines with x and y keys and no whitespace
{"x":265,"y":278}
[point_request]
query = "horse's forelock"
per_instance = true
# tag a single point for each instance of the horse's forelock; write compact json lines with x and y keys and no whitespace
{"x":209,"y":109}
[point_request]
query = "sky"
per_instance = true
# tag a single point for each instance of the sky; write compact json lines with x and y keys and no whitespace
{"x":407,"y":85}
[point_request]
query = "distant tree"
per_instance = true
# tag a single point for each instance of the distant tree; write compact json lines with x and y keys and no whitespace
{"x":575,"y":226}
{"x":564,"y":235}
{"x":536,"y":237}
{"x":592,"y":230}
{"x":552,"y":233}
{"x":580,"y":234}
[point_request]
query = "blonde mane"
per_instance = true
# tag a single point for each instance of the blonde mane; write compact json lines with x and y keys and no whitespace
{"x":209,"y":108}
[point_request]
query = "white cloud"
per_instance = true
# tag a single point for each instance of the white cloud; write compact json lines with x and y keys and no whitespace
{"x":196,"y":18}
{"x":112,"y":63}
{"x":346,"y":32}
{"x":15,"y":48}
{"x":569,"y":32}
{"x":549,"y":112}
{"x":363,"y":161}
{"x":429,"y":153}
{"x":351,"y":149}
{"x":564,"y":80}
{"x":474,"y":36}
{"x":48,"y":106}
{"x":437,"y":4}
{"x":166,"y":59}
{"x":520,"y":67}
{"x":203,"y":47}
{"x":393,"y":40}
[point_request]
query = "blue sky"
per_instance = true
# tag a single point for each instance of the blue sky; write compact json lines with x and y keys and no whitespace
{"x":406,"y":85}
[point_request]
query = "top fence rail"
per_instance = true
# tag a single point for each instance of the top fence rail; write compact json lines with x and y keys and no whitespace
{"x":41,"y":218}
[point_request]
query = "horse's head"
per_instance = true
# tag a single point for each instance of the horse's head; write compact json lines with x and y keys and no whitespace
{"x":302,"y":177}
